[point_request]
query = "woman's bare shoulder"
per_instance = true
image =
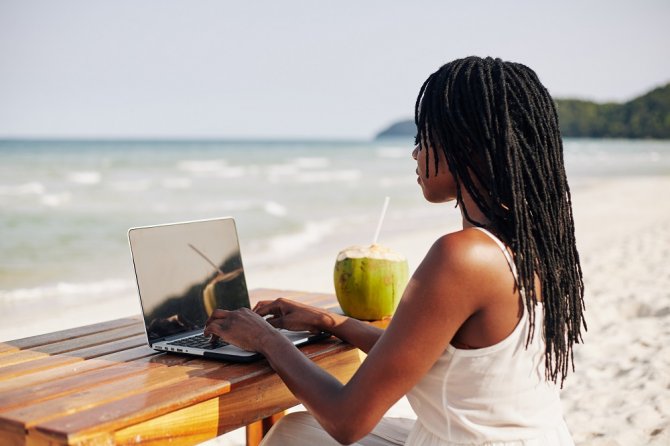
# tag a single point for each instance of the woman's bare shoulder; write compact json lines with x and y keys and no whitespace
{"x":465,"y":247}
{"x":468,"y":258}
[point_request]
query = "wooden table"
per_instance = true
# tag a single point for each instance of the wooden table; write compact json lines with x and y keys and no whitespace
{"x":102,"y":384}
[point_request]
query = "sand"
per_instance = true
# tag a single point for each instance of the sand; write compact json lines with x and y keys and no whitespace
{"x":620,"y":392}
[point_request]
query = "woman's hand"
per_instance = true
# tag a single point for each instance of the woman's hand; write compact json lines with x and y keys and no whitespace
{"x":242,"y":328}
{"x":295,"y":316}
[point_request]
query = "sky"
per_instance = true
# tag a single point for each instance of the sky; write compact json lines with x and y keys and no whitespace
{"x":297,"y":69}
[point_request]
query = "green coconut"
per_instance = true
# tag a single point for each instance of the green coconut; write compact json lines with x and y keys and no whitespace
{"x":369,"y":281}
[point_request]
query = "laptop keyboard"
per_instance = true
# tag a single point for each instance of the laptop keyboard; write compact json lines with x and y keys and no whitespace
{"x":199,"y":341}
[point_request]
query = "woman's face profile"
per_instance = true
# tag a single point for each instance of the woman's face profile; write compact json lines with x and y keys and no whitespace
{"x":436,"y":188}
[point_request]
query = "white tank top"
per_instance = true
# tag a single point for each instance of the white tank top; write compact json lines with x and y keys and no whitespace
{"x":495,"y":395}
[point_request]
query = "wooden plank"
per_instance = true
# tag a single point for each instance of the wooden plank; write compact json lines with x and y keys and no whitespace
{"x":254,"y":433}
{"x":37,"y":363}
{"x":270,"y":294}
{"x":268,"y":393}
{"x":12,"y":438}
{"x":245,"y":379}
{"x":128,"y":411}
{"x":55,"y":373}
{"x":109,"y":347}
{"x":132,"y":354}
{"x":26,"y":395}
{"x":196,"y":423}
{"x":257,"y":430}
{"x":19,"y":357}
{"x":71,"y":403}
{"x":74,"y":408}
{"x":34,"y":341}
{"x":47,"y":362}
{"x":91,"y":340}
{"x":300,"y":296}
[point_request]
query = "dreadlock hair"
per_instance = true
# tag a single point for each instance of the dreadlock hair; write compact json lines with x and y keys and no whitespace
{"x":498,"y":127}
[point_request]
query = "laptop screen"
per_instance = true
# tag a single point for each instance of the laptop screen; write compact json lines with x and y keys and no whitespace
{"x":186,"y":270}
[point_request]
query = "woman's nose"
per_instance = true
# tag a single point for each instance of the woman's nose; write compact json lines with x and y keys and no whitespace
{"x":415,"y":152}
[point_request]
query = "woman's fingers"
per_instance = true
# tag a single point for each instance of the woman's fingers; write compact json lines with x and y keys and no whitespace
{"x":266,"y":307}
{"x":216,"y":314}
{"x":213,"y":329}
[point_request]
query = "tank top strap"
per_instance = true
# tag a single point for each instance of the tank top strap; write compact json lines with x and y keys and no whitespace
{"x":503,"y":248}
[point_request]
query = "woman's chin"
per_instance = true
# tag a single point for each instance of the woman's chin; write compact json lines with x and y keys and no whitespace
{"x":437,"y":198}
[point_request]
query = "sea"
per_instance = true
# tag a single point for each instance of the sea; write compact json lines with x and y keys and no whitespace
{"x":66,"y":206}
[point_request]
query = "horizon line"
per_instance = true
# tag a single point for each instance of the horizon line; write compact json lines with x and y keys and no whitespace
{"x":182,"y":139}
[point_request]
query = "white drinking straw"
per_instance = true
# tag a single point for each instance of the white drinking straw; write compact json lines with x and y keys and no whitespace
{"x":206,"y":259}
{"x":381,"y":220}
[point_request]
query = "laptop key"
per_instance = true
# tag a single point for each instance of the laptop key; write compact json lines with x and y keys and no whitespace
{"x":199,"y":341}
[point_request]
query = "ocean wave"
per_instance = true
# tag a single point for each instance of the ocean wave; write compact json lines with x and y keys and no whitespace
{"x":396,"y":181}
{"x":311,"y":162}
{"x":393,"y":152}
{"x":233,"y":172}
{"x":327,"y":176}
{"x":274,"y":208}
{"x":56,"y":200}
{"x":68,"y":290}
{"x":32,"y":188}
{"x":225,"y":206}
{"x":138,"y":185}
{"x":88,"y":177}
{"x":312,"y":233}
{"x":295,"y":168}
{"x":202,"y":166}
{"x":176,"y":183}
{"x":287,"y":245}
{"x":276,"y":171}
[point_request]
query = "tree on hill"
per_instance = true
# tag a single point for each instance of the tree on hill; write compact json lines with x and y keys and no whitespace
{"x":647,"y":116}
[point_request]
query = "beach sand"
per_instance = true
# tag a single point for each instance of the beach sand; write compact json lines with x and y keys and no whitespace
{"x":620,"y":392}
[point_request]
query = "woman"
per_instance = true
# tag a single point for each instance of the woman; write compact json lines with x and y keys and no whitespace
{"x":486,"y":326}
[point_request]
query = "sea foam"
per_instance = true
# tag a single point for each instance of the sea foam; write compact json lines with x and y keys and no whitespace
{"x":88,"y":177}
{"x":328,"y":176}
{"x":274,"y":208}
{"x":202,"y":166}
{"x":32,"y":188}
{"x":283,"y":246}
{"x":69,"y":290}
{"x":393,"y":152}
{"x":56,"y":200}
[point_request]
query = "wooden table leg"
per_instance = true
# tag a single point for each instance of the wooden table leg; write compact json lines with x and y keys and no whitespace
{"x":256,"y":431}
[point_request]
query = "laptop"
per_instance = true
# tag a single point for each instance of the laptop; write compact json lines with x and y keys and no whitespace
{"x":184,"y":271}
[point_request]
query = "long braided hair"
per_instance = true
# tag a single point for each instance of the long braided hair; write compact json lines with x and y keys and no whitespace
{"x":498,"y":127}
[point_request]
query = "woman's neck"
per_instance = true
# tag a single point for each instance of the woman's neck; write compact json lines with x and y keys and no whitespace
{"x":474,"y":213}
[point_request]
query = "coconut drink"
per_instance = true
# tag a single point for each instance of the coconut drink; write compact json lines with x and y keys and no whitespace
{"x":369,"y":281}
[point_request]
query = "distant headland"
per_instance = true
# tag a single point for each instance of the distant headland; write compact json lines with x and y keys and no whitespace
{"x":647,"y":116}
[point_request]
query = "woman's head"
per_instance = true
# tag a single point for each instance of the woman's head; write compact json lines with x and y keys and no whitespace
{"x":439,"y":187}
{"x":496,"y":126}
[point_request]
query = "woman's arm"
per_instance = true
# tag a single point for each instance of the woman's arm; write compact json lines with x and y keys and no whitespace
{"x":438,"y":299}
